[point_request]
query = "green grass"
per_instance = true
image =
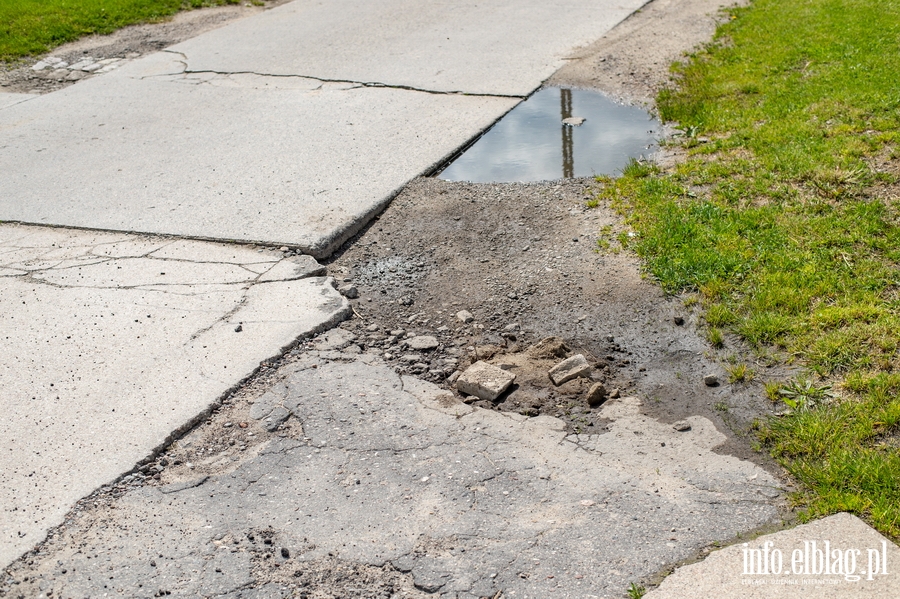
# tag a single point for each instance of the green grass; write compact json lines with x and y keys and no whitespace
{"x":786,"y":225}
{"x":31,"y":27}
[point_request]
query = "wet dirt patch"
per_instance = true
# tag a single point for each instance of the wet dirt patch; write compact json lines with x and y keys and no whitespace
{"x":523,"y":260}
{"x":558,"y":133}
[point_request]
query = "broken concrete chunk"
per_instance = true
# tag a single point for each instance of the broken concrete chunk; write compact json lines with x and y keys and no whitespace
{"x":423,"y":342}
{"x":596,"y":395}
{"x":465,"y":316}
{"x":569,"y":369}
{"x":574,"y":121}
{"x":682,"y":426}
{"x":334,"y":339}
{"x":349,"y":291}
{"x":484,"y":381}
{"x":293,"y":268}
{"x":549,"y":347}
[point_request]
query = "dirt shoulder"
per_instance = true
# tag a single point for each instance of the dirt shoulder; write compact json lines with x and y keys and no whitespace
{"x":631,"y":63}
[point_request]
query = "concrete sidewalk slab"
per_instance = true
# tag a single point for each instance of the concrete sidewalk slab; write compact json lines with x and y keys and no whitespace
{"x":290,"y":161}
{"x":374,"y":470}
{"x":259,"y":131}
{"x":735,"y":573}
{"x":111,"y":342}
{"x":471,"y":46}
{"x":7,"y":99}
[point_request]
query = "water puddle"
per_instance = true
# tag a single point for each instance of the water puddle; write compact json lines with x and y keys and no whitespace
{"x":558,"y":133}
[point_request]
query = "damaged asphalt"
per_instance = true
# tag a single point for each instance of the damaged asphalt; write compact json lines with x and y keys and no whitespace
{"x":397,"y":475}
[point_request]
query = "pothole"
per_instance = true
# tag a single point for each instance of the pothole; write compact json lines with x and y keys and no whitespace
{"x":558,"y":133}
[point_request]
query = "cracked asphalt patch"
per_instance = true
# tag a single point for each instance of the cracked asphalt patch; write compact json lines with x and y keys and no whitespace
{"x":393,"y":481}
{"x":113,"y":341}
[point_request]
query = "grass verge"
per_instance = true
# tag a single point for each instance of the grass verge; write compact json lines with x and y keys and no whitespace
{"x":784,"y":217}
{"x":30,"y":27}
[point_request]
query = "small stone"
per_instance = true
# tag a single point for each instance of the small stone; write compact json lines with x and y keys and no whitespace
{"x":411,"y":358}
{"x":574,"y":121}
{"x":569,"y":369}
{"x":283,"y":248}
{"x":465,"y":316}
{"x":614,"y":394}
{"x":372,"y":328}
{"x":405,"y":301}
{"x":443,"y":329}
{"x":711,"y":380}
{"x":682,"y":426}
{"x":422,"y":343}
{"x":285,"y":553}
{"x":679,"y":320}
{"x":349,"y":291}
{"x":398,"y":332}
{"x":92,"y":67}
{"x":238,"y":328}
{"x":596,"y":395}
{"x":75,"y":75}
{"x":484,"y":381}
{"x":511,"y":327}
{"x":453,"y":377}
{"x":40,"y":65}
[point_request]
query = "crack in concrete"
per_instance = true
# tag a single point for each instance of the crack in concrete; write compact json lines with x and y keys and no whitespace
{"x":369,"y":84}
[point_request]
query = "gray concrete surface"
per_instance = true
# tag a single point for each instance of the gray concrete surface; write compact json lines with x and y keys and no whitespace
{"x":282,"y":160}
{"x":111,"y":342}
{"x":378,"y":469}
{"x":473,"y":47}
{"x":8,"y":99}
{"x":872,"y":573}
{"x":177,"y":143}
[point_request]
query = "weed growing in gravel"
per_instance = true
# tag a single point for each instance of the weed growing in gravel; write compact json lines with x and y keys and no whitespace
{"x":635,"y":591}
{"x":784,"y":218}
{"x":29,"y":27}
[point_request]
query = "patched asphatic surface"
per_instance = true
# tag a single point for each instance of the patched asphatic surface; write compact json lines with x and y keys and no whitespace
{"x":384,"y":471}
{"x":113,"y":341}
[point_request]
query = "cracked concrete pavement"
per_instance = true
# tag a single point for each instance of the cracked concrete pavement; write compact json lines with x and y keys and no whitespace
{"x":394,"y":473}
{"x":113,"y":341}
{"x":285,"y":157}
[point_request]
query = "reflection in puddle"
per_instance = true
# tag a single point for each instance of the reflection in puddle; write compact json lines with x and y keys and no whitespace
{"x":541,"y":139}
